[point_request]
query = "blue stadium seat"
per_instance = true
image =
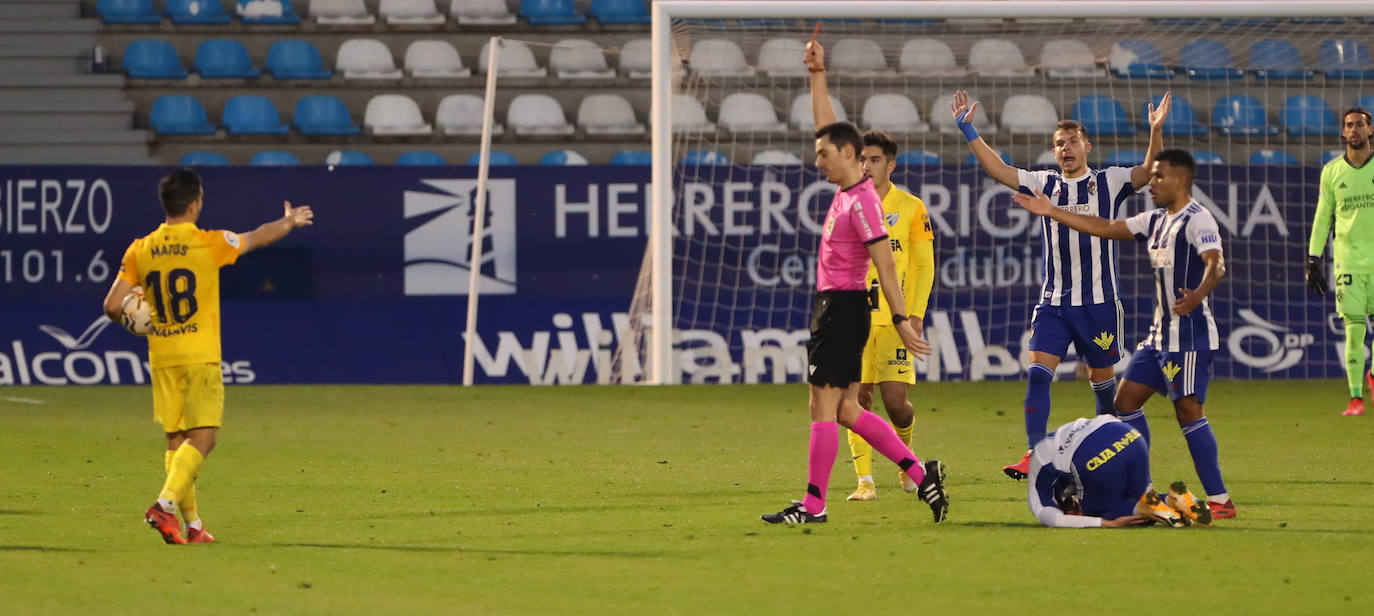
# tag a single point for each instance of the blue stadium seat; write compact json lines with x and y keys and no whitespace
{"x":206,"y":12}
{"x":1125,"y":158}
{"x":705,"y":157}
{"x":203,"y":159}
{"x":498,"y":157}
{"x":271,"y":12}
{"x":1240,"y":115}
{"x":420,"y":158}
{"x":632,"y":157}
{"x":620,"y":11}
{"x":1145,"y":61}
{"x":1305,"y":116}
{"x":1102,"y":116}
{"x":1208,"y":60}
{"x":1319,"y":21}
{"x":1272,"y":157}
{"x":1208,"y":157}
{"x":1330,"y":155}
{"x":128,"y":12}
{"x":550,"y":12}
{"x":322,"y":114}
{"x":1249,"y":22}
{"x":152,"y":59}
{"x":295,"y":59}
{"x":971,"y":160}
{"x":274,"y":158}
{"x":348,"y":157}
{"x":1277,"y":59}
{"x":1345,"y":59}
{"x":1181,"y":121}
{"x":917,"y":158}
{"x":562,"y":158}
{"x":224,"y":59}
{"x":252,"y":115}
{"x":177,"y":114}
{"x":1365,"y":102}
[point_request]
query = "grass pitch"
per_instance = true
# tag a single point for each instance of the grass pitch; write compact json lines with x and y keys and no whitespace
{"x":580,"y":500}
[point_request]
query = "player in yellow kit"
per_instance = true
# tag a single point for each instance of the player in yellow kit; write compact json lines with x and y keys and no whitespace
{"x":176,"y":267}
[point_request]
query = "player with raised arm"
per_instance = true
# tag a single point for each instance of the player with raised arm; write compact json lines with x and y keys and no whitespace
{"x":177,"y":265}
{"x":1175,"y":358}
{"x":886,"y":362}
{"x":1347,"y":194}
{"x":1079,"y":299}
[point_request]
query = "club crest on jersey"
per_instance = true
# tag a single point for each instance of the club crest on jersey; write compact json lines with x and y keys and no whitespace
{"x":1092,"y":187}
{"x":829,"y":226}
{"x":1171,"y":370}
{"x":892,"y":219}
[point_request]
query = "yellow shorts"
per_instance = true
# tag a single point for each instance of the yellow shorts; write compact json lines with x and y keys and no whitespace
{"x":886,"y":358}
{"x":189,"y":396}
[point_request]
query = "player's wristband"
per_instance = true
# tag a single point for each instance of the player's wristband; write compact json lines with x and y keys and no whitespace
{"x":898,"y":318}
{"x":970,"y":133}
{"x":816,"y":70}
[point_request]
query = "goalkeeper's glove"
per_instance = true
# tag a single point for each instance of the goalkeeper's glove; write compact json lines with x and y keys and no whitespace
{"x":1316,"y":278}
{"x":965,"y":126}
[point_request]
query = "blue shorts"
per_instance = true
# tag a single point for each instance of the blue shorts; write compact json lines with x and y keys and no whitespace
{"x":1094,"y":329}
{"x":1113,"y":467}
{"x":1174,"y":374}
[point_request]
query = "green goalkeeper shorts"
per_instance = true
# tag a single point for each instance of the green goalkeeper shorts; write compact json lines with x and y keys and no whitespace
{"x":1354,"y":293}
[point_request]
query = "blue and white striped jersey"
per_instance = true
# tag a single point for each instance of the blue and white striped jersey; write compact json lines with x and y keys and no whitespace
{"x":1176,"y":243}
{"x":1080,"y":269}
{"x":1053,"y":456}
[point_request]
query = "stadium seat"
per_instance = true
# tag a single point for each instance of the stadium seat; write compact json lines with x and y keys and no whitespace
{"x":1046,"y":160}
{"x":420,"y":158}
{"x":636,"y":59}
{"x":607,"y":114}
{"x":366,"y":59}
{"x":776,"y":158}
{"x":152,"y":59}
{"x":394,"y":114}
{"x":177,"y":114}
{"x":778,"y":57}
{"x":853,"y":56}
{"x":322,"y":114}
{"x":927,"y":56}
{"x":1249,"y":22}
{"x":481,"y":12}
{"x":461,"y":114}
{"x":704,"y":158}
{"x":801,"y":117}
{"x":1069,"y":58}
{"x":537,"y":114}
{"x":203,"y":12}
{"x":1102,"y":116}
{"x":941,"y":119}
{"x":893,"y":113}
{"x":128,"y":12}
{"x":1181,"y":121}
{"x":1138,"y":59}
{"x":224,"y":59}
{"x":689,"y":116}
{"x":252,"y":115}
{"x":564,"y":158}
{"x":918,"y":158}
{"x":203,"y":159}
{"x":1330,"y":155}
{"x":550,"y":12}
{"x":1208,"y":60}
{"x":495,"y":157}
{"x":1240,"y":115}
{"x":274,"y":158}
{"x":1124,"y":158}
{"x":719,"y":58}
{"x":993,"y":57}
{"x":341,"y":13}
{"x":516,"y":60}
{"x":1363,"y":102}
{"x":1307,"y":116}
{"x":1026,"y":113}
{"x":1272,"y":157}
{"x":632,"y":158}
{"x":1346,"y":59}
{"x":1207,"y":157}
{"x":434,"y":58}
{"x":347,"y":157}
{"x":620,"y":11}
{"x":579,"y":59}
{"x":410,"y":12}
{"x":749,"y":112}
{"x":971,"y":160}
{"x":269,"y":12}
{"x":296,"y":59}
{"x":1276,"y":59}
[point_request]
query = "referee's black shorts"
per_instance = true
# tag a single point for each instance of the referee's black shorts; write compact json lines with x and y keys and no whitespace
{"x":839,"y":330}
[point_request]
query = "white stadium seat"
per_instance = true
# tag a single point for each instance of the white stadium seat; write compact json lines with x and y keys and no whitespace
{"x":1069,"y":58}
{"x":410,"y":12}
{"x":537,"y":114}
{"x":461,"y":114}
{"x":394,"y":114}
{"x":341,"y":13}
{"x":776,"y":157}
{"x":782,"y":57}
{"x":927,"y":57}
{"x":637,"y":58}
{"x":481,"y":12}
{"x":801,"y":117}
{"x":579,"y":59}
{"x":608,"y":114}
{"x":515,"y":60}
{"x":434,"y":58}
{"x":853,"y":56}
{"x":992,"y":57}
{"x":366,"y":59}
{"x":941,"y":118}
{"x":893,"y":113}
{"x":1046,"y":158}
{"x":689,"y":116}
{"x":749,"y":112}
{"x":719,"y":58}
{"x":1029,"y":113}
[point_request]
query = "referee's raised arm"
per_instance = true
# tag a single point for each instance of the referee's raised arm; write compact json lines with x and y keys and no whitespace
{"x":821,"y":110}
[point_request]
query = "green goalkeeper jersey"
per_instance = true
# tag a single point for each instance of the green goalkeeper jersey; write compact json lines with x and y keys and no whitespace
{"x":1347,"y":193}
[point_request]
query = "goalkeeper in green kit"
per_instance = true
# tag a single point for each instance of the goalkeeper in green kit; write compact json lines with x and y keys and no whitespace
{"x":1347,"y":193}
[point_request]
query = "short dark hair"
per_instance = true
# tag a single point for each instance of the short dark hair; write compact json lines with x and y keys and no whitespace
{"x":178,"y":190}
{"x":1072,"y":125}
{"x":843,"y":134}
{"x":881,"y":140}
{"x":1178,"y":158}
{"x":1360,"y":110}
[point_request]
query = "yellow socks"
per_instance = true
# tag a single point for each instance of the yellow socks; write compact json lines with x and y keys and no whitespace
{"x":863,"y":454}
{"x":188,"y":502}
{"x":905,"y":433}
{"x":182,"y":468}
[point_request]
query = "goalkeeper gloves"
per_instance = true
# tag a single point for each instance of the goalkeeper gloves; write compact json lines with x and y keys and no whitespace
{"x":1316,"y":278}
{"x":965,"y":126}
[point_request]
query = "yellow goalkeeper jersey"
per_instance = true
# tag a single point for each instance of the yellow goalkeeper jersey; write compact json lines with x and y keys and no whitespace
{"x":908,"y":224}
{"x":178,"y":268}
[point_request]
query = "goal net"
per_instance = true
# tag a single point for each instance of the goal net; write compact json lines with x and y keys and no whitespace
{"x":1257,"y":98}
